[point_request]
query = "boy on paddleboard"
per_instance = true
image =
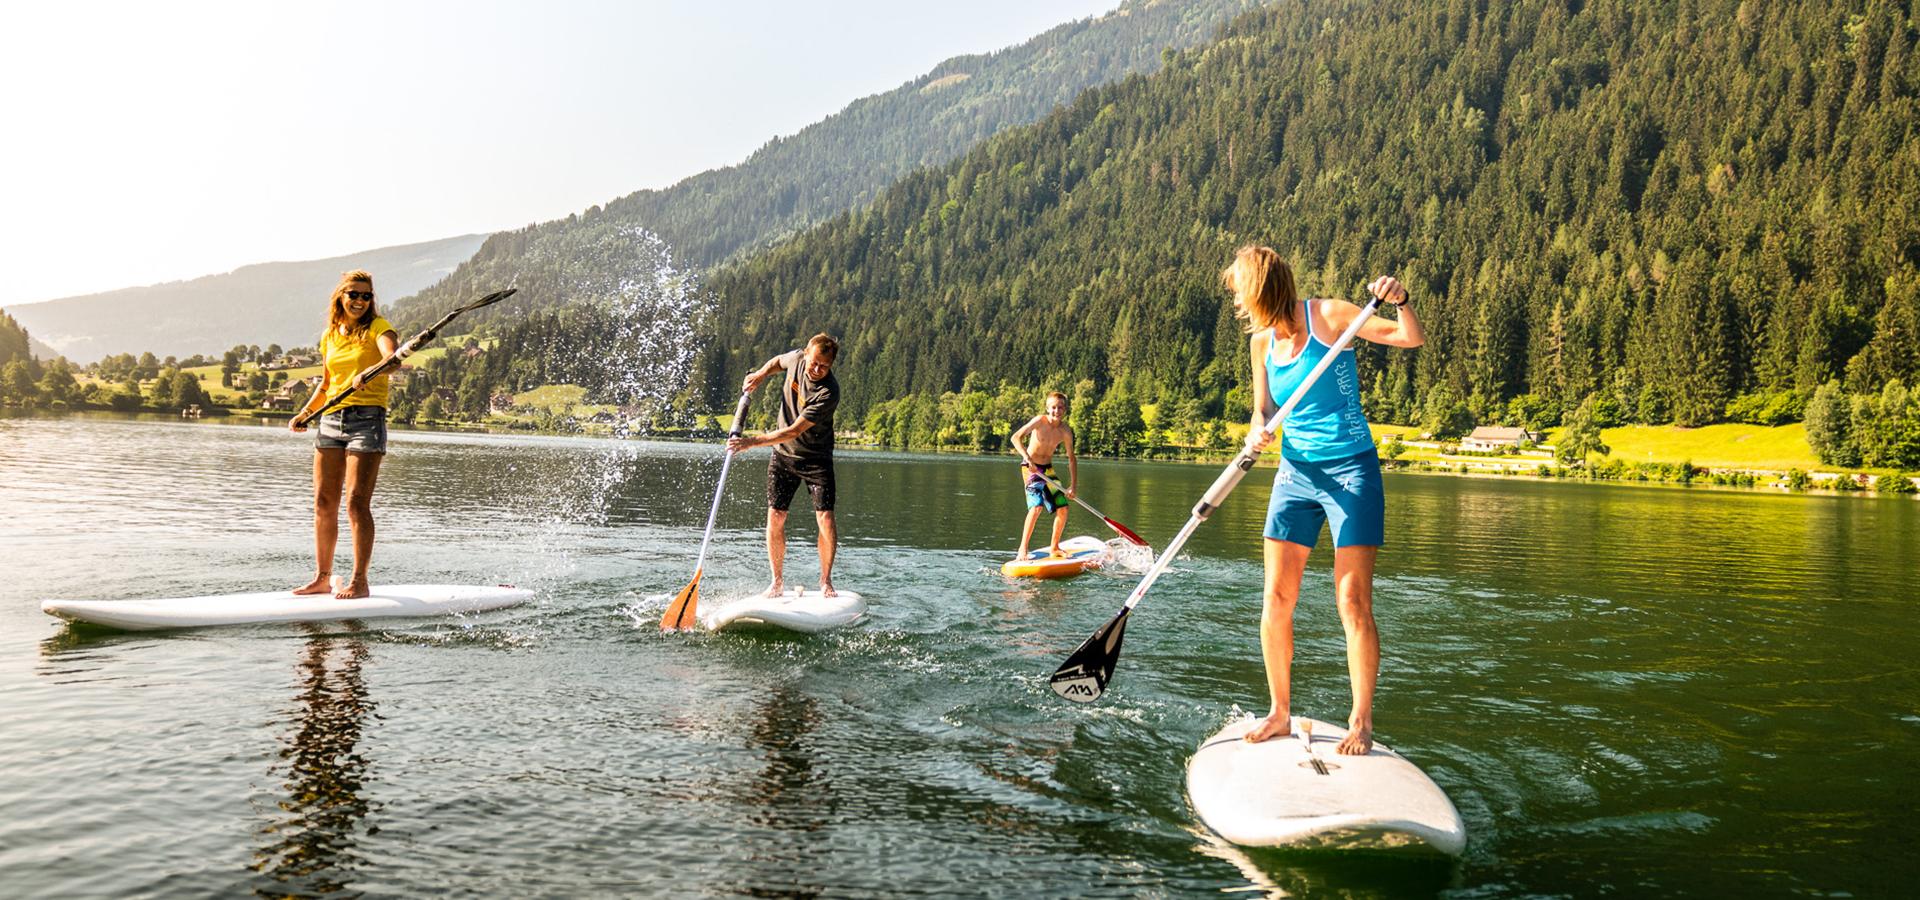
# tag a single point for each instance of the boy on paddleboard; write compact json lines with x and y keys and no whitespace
{"x":1044,"y":434}
{"x":802,"y":442}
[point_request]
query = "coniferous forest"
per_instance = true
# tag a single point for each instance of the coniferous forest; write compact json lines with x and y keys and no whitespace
{"x":1681,"y":212}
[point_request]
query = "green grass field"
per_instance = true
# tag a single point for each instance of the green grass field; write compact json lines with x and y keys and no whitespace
{"x":556,"y":397}
{"x":1726,"y":446}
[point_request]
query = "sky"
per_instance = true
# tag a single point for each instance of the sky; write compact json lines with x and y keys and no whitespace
{"x":150,"y":142}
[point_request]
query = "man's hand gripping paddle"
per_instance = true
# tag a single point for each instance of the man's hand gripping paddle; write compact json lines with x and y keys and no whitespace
{"x":681,"y":612}
{"x":1088,"y":669}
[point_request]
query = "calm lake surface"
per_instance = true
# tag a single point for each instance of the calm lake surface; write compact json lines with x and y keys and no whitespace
{"x":1628,"y":691}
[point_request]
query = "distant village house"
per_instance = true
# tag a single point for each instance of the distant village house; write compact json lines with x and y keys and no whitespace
{"x":1493,"y":438}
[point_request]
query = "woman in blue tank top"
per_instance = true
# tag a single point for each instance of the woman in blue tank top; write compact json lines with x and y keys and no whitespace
{"x":1329,"y":471}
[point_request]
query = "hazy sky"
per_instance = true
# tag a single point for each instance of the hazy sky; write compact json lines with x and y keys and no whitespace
{"x":149,"y":142}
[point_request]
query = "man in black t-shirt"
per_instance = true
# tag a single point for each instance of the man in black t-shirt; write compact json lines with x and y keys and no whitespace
{"x":802,"y":442}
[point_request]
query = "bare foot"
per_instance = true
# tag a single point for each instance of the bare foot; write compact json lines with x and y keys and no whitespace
{"x":775,"y":589}
{"x":1023,"y":552}
{"x":1276,"y":725}
{"x":1359,"y":740}
{"x":826,"y":589}
{"x":354,"y":589}
{"x":320,"y":584}
{"x":1055,"y":552}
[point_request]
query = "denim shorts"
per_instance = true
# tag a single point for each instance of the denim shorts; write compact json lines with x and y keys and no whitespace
{"x":361,"y":429}
{"x":1346,"y":493}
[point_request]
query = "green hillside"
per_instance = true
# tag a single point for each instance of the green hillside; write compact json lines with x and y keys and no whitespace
{"x":831,"y":166}
{"x":1664,"y":206}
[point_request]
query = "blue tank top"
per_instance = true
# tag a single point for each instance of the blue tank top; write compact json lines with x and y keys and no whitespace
{"x":1327,"y":423}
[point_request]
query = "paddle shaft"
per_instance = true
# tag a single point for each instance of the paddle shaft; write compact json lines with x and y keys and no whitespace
{"x":1243,"y":463}
{"x":739,"y":414}
{"x":399,"y":355}
{"x":1124,"y":531}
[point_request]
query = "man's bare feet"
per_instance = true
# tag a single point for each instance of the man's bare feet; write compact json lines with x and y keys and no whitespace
{"x":775,"y":589}
{"x":1023,"y":552}
{"x":1276,"y":725}
{"x":1055,"y":552}
{"x":354,"y":589}
{"x":826,"y":589}
{"x":1359,"y":740}
{"x":320,"y":584}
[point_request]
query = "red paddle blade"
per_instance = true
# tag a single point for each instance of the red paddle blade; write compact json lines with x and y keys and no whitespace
{"x":1127,"y":533}
{"x":680,"y":613}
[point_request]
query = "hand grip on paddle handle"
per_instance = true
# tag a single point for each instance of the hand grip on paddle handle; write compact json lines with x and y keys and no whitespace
{"x":740,"y":414}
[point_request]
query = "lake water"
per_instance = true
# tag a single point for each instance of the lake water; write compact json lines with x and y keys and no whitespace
{"x":1635,"y":691}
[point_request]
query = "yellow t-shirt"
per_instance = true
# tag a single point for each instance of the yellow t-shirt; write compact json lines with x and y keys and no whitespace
{"x":346,"y":357}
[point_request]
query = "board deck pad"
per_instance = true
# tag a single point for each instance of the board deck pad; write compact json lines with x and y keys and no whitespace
{"x":1272,"y":794}
{"x":389,"y":601}
{"x":804,"y":611}
{"x":1083,"y":552}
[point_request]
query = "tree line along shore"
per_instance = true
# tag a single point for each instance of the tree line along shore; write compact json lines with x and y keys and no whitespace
{"x":257,"y":381}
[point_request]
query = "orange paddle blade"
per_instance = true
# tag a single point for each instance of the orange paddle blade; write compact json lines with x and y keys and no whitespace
{"x":680,"y":613}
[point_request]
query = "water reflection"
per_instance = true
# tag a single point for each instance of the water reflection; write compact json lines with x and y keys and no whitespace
{"x":310,"y":846}
{"x":791,"y":799}
{"x":1348,"y":875}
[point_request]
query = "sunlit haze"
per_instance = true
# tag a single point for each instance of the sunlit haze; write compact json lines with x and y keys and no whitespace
{"x":154,"y":142}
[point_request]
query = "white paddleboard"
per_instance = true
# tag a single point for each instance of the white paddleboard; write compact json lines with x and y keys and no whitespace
{"x":806,"y":611}
{"x":285,"y":606}
{"x":1272,"y":794}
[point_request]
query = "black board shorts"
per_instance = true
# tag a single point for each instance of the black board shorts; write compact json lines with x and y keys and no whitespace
{"x":784,"y":475}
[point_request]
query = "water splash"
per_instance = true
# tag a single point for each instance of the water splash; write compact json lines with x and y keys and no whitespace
{"x":1125,"y":556}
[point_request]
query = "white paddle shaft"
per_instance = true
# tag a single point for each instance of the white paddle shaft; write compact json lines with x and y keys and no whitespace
{"x":739,"y":413}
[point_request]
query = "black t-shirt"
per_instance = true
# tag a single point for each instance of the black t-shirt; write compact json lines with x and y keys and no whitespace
{"x":803,"y":398}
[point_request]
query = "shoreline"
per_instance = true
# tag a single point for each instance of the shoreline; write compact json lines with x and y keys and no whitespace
{"x":1768,"y":481}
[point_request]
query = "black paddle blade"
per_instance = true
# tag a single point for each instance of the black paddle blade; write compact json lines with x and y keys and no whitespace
{"x":490,"y":299}
{"x":1084,"y":676}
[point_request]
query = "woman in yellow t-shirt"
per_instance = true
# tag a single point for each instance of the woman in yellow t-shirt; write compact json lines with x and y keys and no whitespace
{"x":352,"y":438}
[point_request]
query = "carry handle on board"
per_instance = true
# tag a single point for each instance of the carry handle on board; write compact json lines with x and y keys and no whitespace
{"x":399,"y":354}
{"x":1118,"y":528}
{"x":680,"y":613}
{"x":1088,"y":669}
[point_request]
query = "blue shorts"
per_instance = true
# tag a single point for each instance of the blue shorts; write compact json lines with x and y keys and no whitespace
{"x":360,"y":429}
{"x":1042,"y":494}
{"x":1347,"y":492}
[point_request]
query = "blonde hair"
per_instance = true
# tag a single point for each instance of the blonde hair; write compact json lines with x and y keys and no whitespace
{"x":1053,"y":394}
{"x":339,"y":321}
{"x":1263,"y":291}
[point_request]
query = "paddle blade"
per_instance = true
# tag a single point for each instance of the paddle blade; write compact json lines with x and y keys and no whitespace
{"x":680,"y":613}
{"x":1127,"y":533}
{"x":1084,"y":676}
{"x":490,"y":299}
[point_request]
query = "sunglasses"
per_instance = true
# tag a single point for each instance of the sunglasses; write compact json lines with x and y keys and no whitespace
{"x":359,"y":295}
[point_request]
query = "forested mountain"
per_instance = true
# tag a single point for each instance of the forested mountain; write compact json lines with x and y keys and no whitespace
{"x":14,"y":343}
{"x":838,"y":163}
{"x":268,"y":303}
{"x":1676,"y":209}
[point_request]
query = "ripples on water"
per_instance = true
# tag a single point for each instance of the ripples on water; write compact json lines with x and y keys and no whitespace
{"x":1625,"y":690}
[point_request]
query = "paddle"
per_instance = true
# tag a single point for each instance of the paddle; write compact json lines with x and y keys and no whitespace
{"x":1118,"y":528}
{"x":400,"y":353}
{"x":1084,"y":676}
{"x":680,"y":613}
